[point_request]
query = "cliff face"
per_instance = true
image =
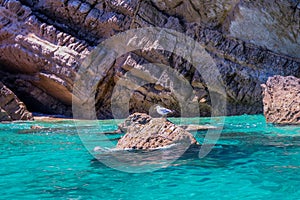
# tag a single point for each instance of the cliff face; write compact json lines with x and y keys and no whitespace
{"x":43,"y":43}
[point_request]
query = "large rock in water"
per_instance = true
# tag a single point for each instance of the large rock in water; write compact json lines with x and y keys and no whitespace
{"x":145,"y":132}
{"x":282,"y":100}
{"x":11,"y":108}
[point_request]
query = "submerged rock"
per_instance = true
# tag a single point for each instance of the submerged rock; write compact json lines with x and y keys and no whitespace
{"x":195,"y":127}
{"x":36,"y":127}
{"x":145,"y":132}
{"x":281,"y":98}
{"x":11,"y":108}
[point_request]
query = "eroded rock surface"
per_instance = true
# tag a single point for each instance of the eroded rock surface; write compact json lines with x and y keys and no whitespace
{"x":43,"y":43}
{"x":11,"y":108}
{"x":145,"y":132}
{"x":282,"y":100}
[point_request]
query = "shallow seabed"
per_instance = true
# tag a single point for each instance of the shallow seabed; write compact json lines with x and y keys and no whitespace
{"x":251,"y":160}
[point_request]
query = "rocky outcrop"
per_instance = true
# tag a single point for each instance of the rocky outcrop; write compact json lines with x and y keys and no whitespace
{"x":43,"y":43}
{"x":37,"y":60}
{"x":11,"y":108}
{"x":282,"y":100}
{"x":145,"y":132}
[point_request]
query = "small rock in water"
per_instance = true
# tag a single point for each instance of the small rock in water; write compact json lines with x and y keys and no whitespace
{"x":36,"y":127}
{"x":97,"y":148}
{"x":195,"y":127}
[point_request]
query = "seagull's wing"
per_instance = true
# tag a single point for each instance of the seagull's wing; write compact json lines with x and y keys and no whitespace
{"x":165,"y":110}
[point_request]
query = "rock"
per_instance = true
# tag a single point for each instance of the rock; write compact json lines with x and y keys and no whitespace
{"x":191,"y":127}
{"x":11,"y":108}
{"x":145,"y":132}
{"x":194,"y":127}
{"x":4,"y":116}
{"x":282,"y":100}
{"x":43,"y":44}
{"x":264,"y":25}
{"x":36,"y":127}
{"x":38,"y":60}
{"x":118,"y":131}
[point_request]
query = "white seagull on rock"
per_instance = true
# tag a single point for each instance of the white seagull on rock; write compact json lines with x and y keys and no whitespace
{"x":162,"y":111}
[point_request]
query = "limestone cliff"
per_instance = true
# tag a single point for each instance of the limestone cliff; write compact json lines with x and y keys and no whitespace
{"x":43,"y":43}
{"x":11,"y":108}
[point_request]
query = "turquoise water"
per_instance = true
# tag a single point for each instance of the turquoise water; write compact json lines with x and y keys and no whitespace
{"x":251,"y":160}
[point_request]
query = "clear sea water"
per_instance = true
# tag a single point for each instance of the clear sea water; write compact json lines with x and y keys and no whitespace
{"x":251,"y":160}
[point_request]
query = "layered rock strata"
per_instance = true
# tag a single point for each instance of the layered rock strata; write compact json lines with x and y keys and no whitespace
{"x":43,"y":43}
{"x":11,"y":108}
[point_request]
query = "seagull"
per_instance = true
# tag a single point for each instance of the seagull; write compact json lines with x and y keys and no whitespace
{"x":162,"y":111}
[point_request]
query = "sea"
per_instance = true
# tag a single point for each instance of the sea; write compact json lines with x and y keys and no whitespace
{"x":72,"y":159}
